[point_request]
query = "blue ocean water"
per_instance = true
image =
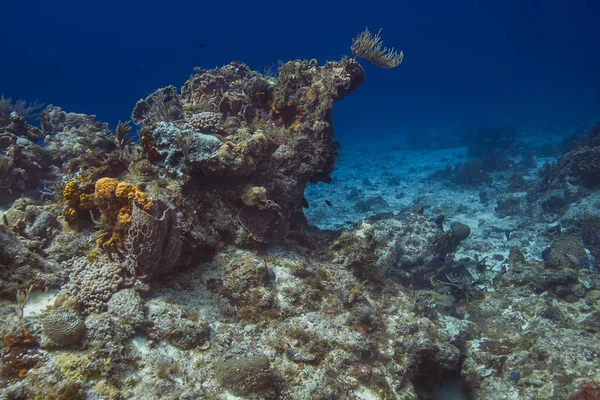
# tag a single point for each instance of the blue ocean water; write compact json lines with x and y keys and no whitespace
{"x":531,"y":62}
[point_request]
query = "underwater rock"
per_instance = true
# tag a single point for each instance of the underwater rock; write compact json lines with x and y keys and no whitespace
{"x":516,"y":257}
{"x":404,"y":242}
{"x":23,"y":167}
{"x":590,"y":234}
{"x":405,"y":245}
{"x":490,"y":140}
{"x":63,"y":327}
{"x":18,"y":126}
{"x":21,"y":265}
{"x":162,"y":105}
{"x":235,"y":159}
{"x":579,"y":166}
{"x":43,"y":225}
{"x":554,"y":205}
{"x":459,"y":231}
{"x":106,"y":335}
{"x":510,"y":206}
{"x":468,"y":173}
{"x":232,"y":128}
{"x":52,"y":120}
{"x":370,"y":204}
{"x":127,"y":306}
{"x":177,"y":326}
{"x":179,"y":147}
{"x":565,"y":253}
{"x":70,"y":136}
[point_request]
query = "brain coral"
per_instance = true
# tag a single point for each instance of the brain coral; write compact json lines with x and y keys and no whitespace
{"x":245,"y":374}
{"x":63,"y":327}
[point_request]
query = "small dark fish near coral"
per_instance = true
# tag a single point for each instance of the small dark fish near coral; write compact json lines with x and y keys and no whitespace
{"x":515,"y":376}
{"x":328,"y":203}
{"x":304,"y":202}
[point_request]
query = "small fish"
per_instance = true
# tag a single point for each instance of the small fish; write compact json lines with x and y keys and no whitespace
{"x":328,"y":203}
{"x":537,"y":282}
{"x":138,"y":70}
{"x":515,"y":376}
{"x":573,"y":259}
{"x":304,"y":202}
{"x":202,"y":45}
{"x":444,"y":300}
{"x":442,"y":259}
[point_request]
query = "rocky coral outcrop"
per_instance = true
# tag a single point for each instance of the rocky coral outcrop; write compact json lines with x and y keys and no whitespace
{"x":407,"y":246}
{"x":240,"y":129}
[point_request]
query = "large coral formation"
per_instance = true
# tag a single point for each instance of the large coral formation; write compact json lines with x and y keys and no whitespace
{"x":70,"y":136}
{"x":578,"y":165}
{"x":276,"y":134}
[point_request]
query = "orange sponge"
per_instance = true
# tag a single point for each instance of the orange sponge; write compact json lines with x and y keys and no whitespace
{"x":115,"y":201}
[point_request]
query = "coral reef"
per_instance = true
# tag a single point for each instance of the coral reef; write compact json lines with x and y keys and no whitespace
{"x":183,"y":265}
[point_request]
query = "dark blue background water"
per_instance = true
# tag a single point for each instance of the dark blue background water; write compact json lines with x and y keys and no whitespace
{"x":533,"y":62}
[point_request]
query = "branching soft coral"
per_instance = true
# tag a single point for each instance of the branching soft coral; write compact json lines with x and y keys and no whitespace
{"x":21,"y":107}
{"x":369,"y":47}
